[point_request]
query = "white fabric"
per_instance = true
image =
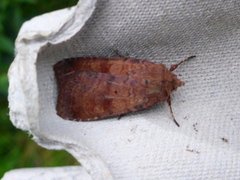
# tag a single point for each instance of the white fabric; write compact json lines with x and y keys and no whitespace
{"x":146,"y":144}
{"x":60,"y":173}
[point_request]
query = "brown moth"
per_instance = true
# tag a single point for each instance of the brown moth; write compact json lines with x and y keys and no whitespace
{"x":92,"y":88}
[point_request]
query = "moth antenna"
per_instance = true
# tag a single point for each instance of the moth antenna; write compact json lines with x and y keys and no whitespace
{"x":169,"y":104}
{"x":174,"y":66}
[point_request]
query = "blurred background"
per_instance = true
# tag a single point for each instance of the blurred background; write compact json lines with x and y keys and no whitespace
{"x":17,"y":150}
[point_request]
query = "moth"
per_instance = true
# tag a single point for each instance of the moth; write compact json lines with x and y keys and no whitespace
{"x":94,"y":88}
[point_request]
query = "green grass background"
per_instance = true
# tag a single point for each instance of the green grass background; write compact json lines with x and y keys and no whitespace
{"x":17,"y":150}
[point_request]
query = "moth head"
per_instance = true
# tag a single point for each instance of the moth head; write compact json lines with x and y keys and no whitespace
{"x":173,"y":84}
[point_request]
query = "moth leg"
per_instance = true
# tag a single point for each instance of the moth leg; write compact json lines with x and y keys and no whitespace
{"x":120,"y":116}
{"x":174,"y":66}
{"x":169,"y":104}
{"x":116,"y":51}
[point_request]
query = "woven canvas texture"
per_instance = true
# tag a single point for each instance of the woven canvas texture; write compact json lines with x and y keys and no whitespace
{"x":147,"y":144}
